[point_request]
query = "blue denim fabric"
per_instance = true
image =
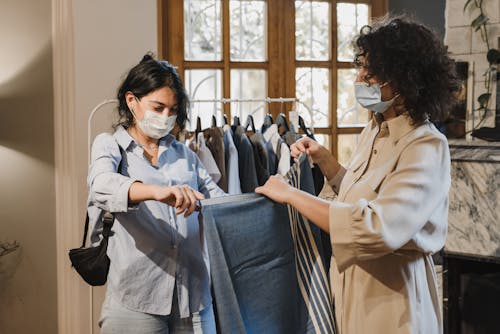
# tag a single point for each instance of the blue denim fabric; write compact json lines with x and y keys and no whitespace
{"x":253,"y":264}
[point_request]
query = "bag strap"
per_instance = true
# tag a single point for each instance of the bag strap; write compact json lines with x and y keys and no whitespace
{"x":108,"y":218}
{"x":86,"y":229}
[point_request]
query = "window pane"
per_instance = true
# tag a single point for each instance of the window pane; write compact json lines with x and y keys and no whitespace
{"x":312,"y":86}
{"x":350,"y":18}
{"x":349,"y":112}
{"x":204,"y":85}
{"x":248,"y":30}
{"x":249,"y":84}
{"x":323,"y":140}
{"x":312,"y":27}
{"x":346,"y":146}
{"x":202,"y":30}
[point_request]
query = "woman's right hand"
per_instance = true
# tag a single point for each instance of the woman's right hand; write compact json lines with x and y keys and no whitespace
{"x":182,"y":197}
{"x":318,"y":153}
{"x":311,"y":147}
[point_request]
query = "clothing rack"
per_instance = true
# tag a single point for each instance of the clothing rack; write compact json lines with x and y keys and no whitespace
{"x":266,"y":99}
{"x":222,"y":100}
{"x":89,"y":123}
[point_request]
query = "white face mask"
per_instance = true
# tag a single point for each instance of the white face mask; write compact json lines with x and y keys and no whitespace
{"x":155,"y":125}
{"x":370,"y":97}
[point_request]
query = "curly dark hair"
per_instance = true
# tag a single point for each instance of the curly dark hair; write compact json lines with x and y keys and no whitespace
{"x":147,"y":76}
{"x":413,"y":59}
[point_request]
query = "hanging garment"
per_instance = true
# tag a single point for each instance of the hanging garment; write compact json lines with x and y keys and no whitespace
{"x":260,"y":157}
{"x":246,"y":161}
{"x":319,"y":182}
{"x":231,"y":158}
{"x":214,"y":142}
{"x":272,"y":159}
{"x":206,"y":157}
{"x":291,"y":137}
{"x":254,"y":266}
{"x":280,"y":149}
{"x":311,"y":270}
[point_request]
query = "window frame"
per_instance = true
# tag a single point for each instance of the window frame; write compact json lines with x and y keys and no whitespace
{"x":280,"y":65}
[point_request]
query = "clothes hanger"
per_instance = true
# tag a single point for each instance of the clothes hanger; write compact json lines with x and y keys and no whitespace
{"x":282,"y":122}
{"x":251,"y":123}
{"x":225,"y":119}
{"x":198,"y":127}
{"x":268,"y":121}
{"x":214,"y":121}
{"x":236,"y":121}
{"x":303,"y":126}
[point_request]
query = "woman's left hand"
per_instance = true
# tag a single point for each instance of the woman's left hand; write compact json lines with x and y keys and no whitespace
{"x":277,"y":189}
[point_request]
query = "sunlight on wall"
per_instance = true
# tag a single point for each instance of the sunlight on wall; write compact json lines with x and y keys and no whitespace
{"x":24,"y":38}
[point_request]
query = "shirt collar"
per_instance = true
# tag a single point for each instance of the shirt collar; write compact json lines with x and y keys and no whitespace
{"x":397,"y":127}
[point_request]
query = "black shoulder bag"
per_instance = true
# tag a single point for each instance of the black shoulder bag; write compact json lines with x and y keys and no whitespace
{"x":92,"y":263}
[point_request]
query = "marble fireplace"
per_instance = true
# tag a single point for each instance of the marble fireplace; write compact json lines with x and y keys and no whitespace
{"x":470,"y":262}
{"x":471,"y":257}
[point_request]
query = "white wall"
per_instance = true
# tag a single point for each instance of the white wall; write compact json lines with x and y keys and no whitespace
{"x":465,"y":44}
{"x":110,"y":37}
{"x":28,"y":295}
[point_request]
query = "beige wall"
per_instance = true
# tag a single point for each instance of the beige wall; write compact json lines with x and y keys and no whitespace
{"x":28,"y":298}
{"x":109,"y":38}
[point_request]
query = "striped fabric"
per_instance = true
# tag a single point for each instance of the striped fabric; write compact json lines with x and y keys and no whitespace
{"x":311,"y":275}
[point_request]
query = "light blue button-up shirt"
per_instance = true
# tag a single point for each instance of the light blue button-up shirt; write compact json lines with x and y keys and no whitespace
{"x":152,"y":249}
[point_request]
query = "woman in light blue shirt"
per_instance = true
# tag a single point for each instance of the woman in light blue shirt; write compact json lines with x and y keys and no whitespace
{"x":158,"y":280}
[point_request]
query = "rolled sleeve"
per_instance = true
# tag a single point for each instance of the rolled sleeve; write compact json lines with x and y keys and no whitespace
{"x":335,"y":181}
{"x":341,"y":234}
{"x":108,"y":189}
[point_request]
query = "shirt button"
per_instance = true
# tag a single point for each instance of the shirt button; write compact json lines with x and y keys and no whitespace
{"x":375,"y":151}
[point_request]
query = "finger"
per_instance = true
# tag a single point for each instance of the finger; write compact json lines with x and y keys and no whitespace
{"x":170,"y":196}
{"x":198,"y":195}
{"x":295,"y":151}
{"x":179,"y":198}
{"x":186,"y":202}
{"x":259,"y":190}
{"x":192,"y":200}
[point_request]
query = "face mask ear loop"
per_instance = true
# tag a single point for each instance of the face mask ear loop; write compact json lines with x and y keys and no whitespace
{"x":395,"y":96}
{"x":132,"y":111}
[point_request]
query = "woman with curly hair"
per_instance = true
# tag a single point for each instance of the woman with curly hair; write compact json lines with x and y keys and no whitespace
{"x":391,"y":211}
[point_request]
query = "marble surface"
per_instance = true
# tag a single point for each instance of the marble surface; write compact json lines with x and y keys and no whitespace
{"x":474,"y":216}
{"x":477,"y":150}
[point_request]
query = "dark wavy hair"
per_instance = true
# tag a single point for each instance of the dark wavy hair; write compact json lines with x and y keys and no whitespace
{"x":414,"y":61}
{"x":147,"y":76}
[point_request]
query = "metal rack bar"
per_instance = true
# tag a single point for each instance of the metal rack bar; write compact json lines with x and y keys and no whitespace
{"x":267,"y":100}
{"x":89,"y":123}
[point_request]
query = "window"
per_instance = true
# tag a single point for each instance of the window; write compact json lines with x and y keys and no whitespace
{"x":252,"y":49}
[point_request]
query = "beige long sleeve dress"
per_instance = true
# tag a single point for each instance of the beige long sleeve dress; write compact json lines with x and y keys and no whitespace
{"x":390,"y":216}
